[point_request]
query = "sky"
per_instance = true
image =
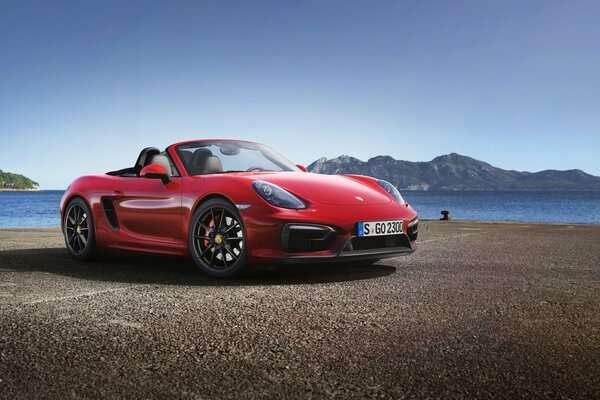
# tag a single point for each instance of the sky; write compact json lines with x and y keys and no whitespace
{"x":85,"y":85}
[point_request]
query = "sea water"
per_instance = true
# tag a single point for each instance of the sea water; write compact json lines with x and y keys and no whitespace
{"x":41,"y":209}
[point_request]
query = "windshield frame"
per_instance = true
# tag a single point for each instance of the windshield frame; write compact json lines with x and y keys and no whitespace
{"x":274,"y":157}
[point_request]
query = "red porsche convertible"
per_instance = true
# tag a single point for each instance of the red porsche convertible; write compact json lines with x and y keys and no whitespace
{"x":229,"y":204}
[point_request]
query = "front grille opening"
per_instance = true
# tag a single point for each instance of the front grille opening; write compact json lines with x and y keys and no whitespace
{"x":378,"y":242}
{"x":307,"y":238}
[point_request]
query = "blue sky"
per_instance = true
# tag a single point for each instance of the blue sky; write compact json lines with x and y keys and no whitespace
{"x":85,"y":85}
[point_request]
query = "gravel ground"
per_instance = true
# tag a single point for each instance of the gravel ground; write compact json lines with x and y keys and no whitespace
{"x":480,"y":310}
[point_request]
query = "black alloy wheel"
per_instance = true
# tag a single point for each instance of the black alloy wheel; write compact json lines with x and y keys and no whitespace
{"x":217,"y":240}
{"x":78,"y":228}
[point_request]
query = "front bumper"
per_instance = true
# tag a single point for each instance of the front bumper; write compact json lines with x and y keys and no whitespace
{"x":346,"y":254}
{"x":267,"y":244}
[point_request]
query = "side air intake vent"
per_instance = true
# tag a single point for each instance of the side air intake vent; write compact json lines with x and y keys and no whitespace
{"x":109,"y":211}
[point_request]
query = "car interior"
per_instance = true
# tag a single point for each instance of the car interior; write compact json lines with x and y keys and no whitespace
{"x":201,"y":161}
{"x":197,"y":161}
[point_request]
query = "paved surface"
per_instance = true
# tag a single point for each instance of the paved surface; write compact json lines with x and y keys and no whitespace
{"x":481,"y":310}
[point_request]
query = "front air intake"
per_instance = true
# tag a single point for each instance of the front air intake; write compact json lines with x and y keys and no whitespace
{"x":305,"y":238}
{"x":413,"y":230}
{"x":378,"y":242}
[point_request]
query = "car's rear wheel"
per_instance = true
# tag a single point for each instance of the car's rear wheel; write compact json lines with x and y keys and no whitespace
{"x":78,"y":227}
{"x":217,"y":240}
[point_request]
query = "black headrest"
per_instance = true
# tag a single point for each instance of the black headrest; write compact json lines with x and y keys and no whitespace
{"x":198,"y":160}
{"x":144,"y":158}
{"x":186,"y":156}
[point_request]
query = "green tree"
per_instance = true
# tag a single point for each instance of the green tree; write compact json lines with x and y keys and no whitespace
{"x":8,"y":180}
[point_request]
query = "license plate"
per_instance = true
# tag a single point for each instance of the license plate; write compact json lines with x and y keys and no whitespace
{"x":379,"y":228}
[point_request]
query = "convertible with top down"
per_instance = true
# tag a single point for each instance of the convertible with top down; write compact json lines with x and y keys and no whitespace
{"x":231,"y":204}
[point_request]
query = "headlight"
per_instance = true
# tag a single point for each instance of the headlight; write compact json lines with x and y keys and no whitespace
{"x":391,"y":189}
{"x":277,"y":196}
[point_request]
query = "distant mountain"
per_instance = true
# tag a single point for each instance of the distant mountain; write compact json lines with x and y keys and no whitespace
{"x":455,"y":172}
{"x":10,"y":181}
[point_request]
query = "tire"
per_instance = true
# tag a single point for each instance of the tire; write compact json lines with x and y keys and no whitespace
{"x":218,"y":245}
{"x":78,"y":230}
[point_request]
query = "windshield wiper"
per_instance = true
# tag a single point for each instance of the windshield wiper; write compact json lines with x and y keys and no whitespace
{"x":236,"y":170}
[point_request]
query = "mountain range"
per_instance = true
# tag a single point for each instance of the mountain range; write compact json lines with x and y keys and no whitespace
{"x":455,"y":172}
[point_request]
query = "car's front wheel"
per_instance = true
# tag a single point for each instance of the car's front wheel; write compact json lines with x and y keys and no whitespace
{"x":217,"y":240}
{"x":78,"y":228}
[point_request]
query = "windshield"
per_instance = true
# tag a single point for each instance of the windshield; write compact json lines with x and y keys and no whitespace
{"x":201,"y":158}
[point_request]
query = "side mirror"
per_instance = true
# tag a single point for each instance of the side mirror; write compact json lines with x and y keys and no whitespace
{"x":302,"y":167}
{"x":155,"y":171}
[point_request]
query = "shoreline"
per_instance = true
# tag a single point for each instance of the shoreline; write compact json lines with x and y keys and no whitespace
{"x":476,"y":221}
{"x":21,"y":190}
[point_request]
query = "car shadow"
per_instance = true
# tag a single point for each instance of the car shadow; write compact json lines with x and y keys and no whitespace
{"x":159,"y":269}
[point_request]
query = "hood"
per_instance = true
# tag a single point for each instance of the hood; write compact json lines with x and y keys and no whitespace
{"x":325,"y":189}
